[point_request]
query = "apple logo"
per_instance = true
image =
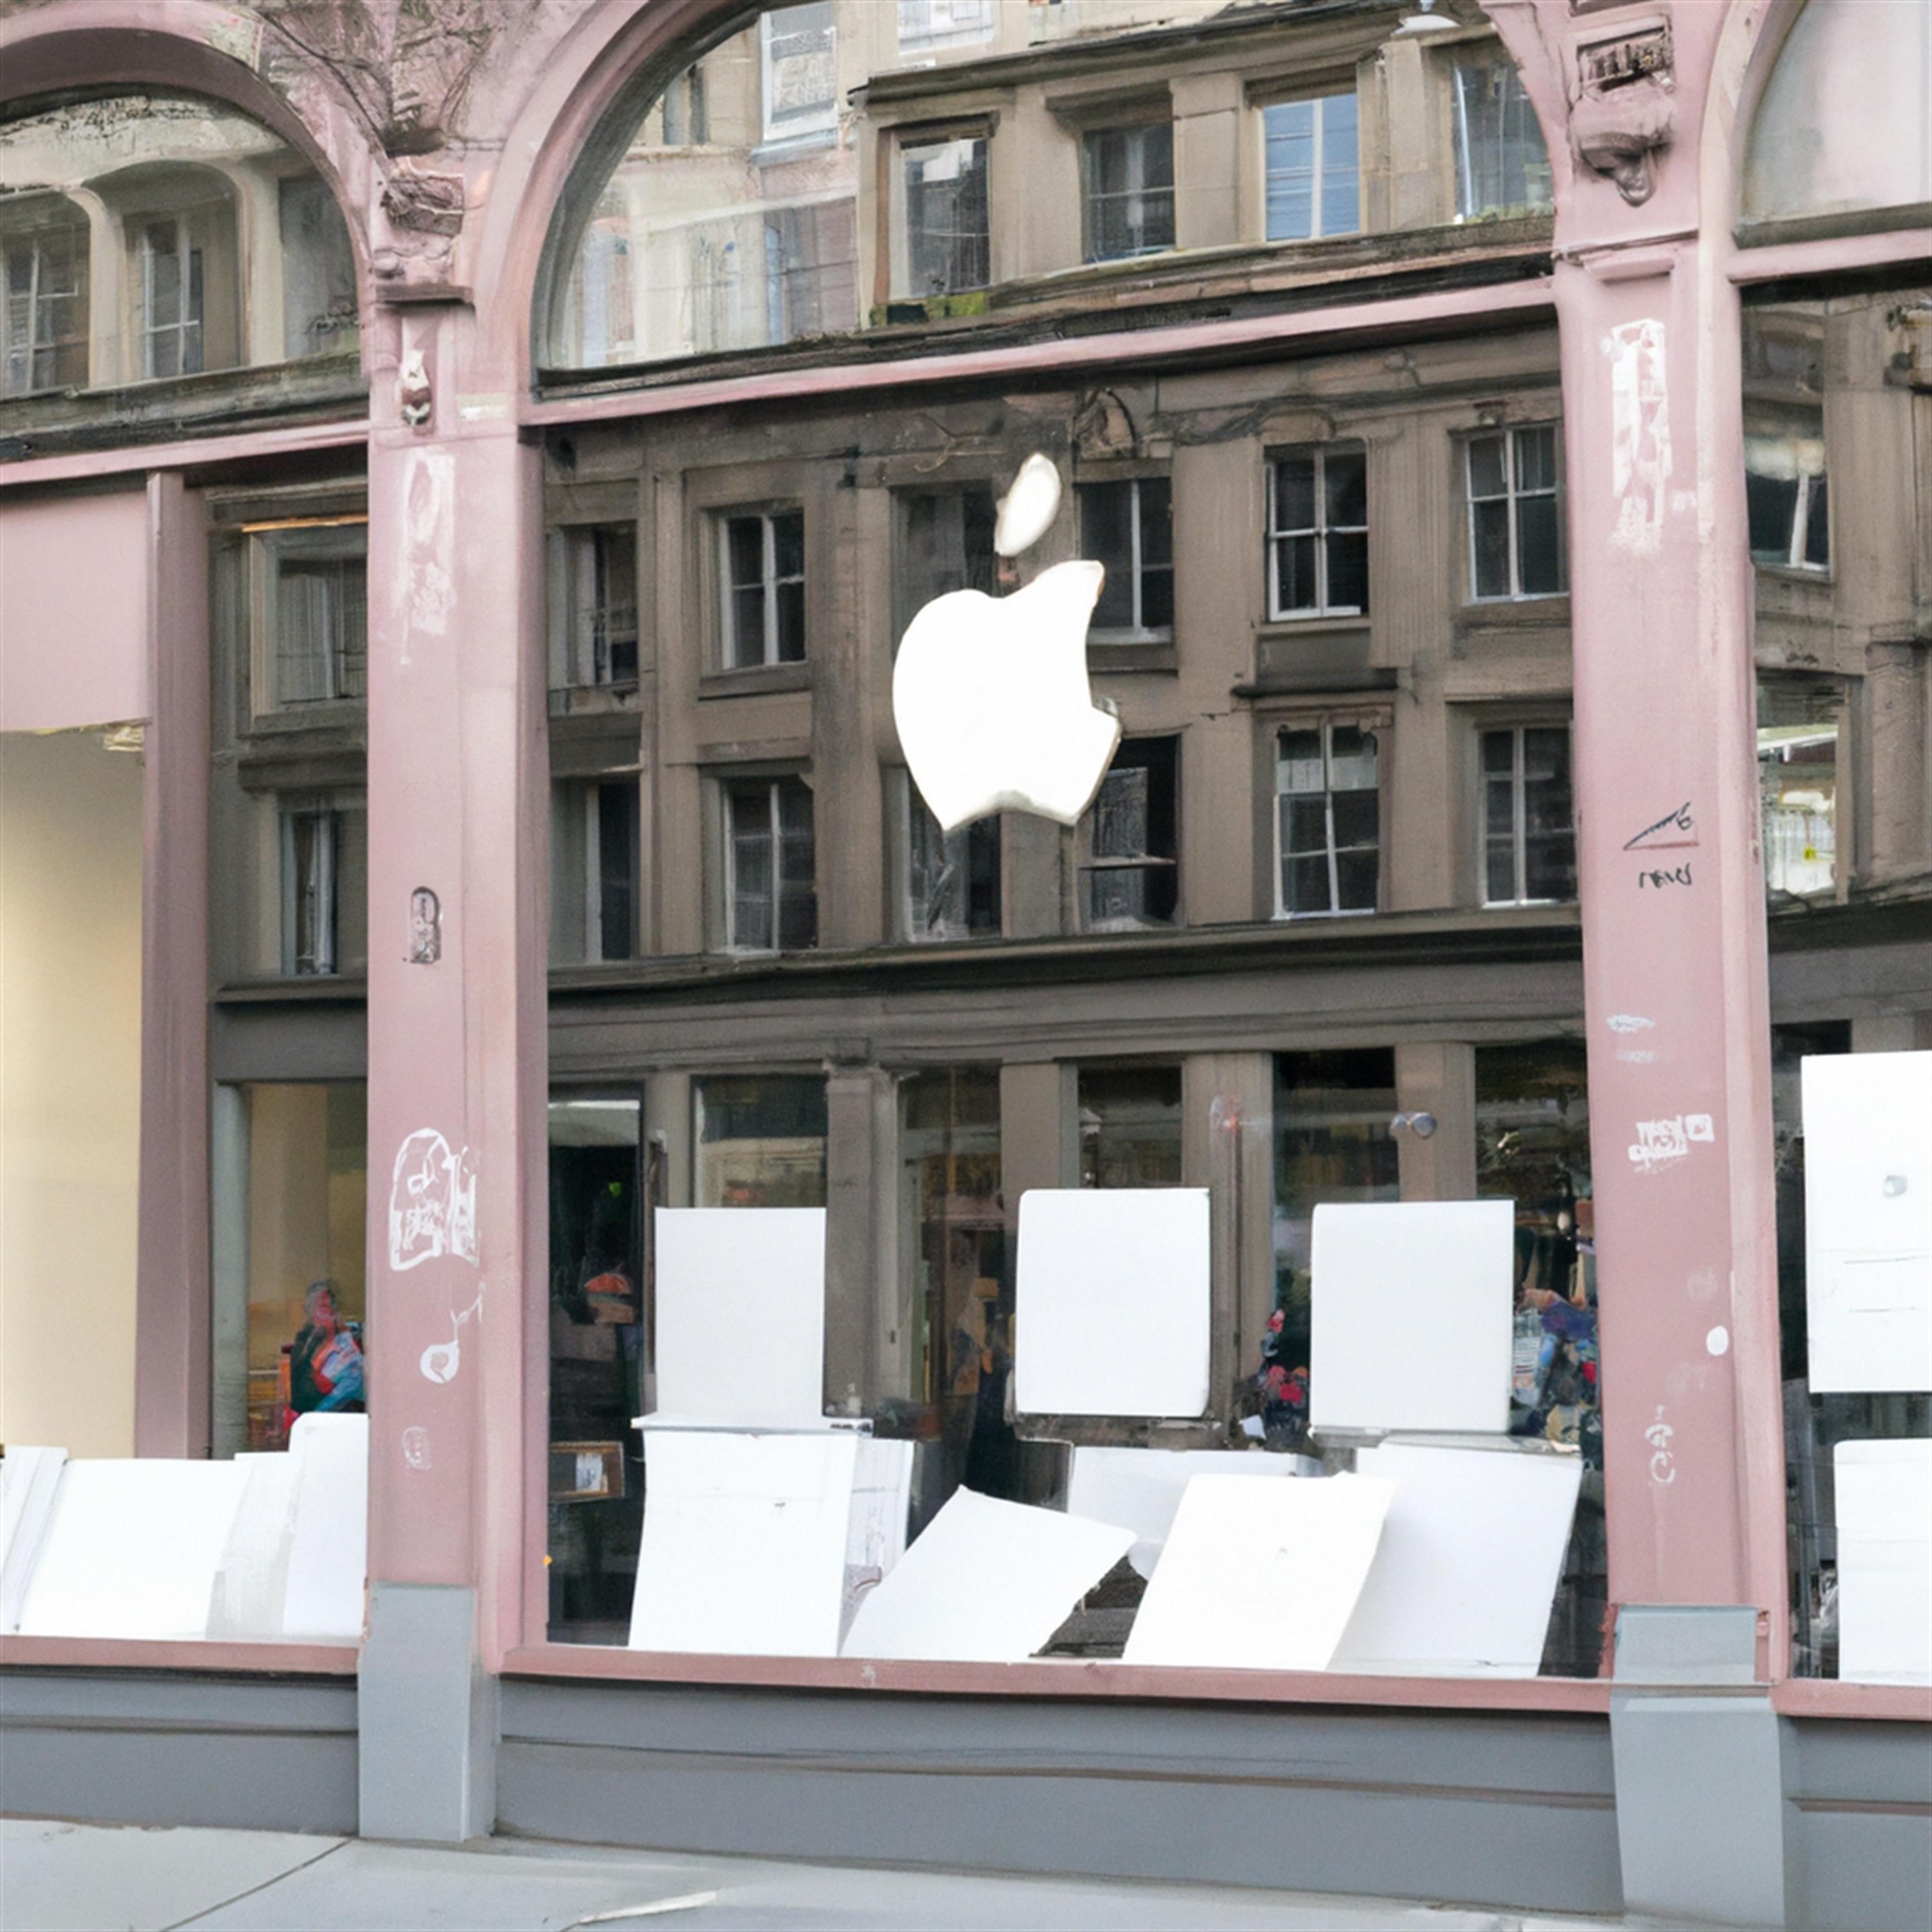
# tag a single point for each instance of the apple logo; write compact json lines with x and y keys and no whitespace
{"x":990,"y":694}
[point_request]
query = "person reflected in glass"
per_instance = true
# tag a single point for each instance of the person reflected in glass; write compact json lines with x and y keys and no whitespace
{"x":325,"y":1363}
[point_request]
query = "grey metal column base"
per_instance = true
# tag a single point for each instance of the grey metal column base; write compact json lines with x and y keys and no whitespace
{"x":427,"y":1718}
{"x":1701,"y":1808}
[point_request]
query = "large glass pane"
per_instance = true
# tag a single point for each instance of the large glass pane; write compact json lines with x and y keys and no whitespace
{"x":1341,"y":174}
{"x":1332,"y":1143}
{"x":1797,"y":786}
{"x":1533,"y":1147}
{"x":1106,"y":535}
{"x":599,"y":1210}
{"x":305,"y":1191}
{"x":798,"y":894}
{"x":1130,"y":1126}
{"x":1129,"y":191}
{"x":1502,"y":167}
{"x":760,"y":1140}
{"x":1549,"y":838}
{"x":1288,"y":131}
{"x":947,"y":245}
{"x":753,"y":864}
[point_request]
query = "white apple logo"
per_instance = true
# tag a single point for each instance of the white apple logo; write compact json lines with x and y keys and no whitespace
{"x":990,"y":694}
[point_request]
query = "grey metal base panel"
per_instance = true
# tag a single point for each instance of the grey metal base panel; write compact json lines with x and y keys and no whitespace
{"x":1482,"y":1808}
{"x":120,"y":1747}
{"x":1862,"y":1794}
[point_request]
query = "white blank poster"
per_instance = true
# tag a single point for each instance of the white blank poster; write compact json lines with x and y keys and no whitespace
{"x":1868,"y":1221}
{"x":1141,"y":1489}
{"x":1468,"y":1564}
{"x":1112,"y":1302}
{"x":1260,"y":1575}
{"x":132,"y":1548}
{"x":28,"y":1478}
{"x":987,"y":1582}
{"x":1885,"y":1561}
{"x":1411,"y":1322}
{"x":745,"y":1543}
{"x":741,"y":1316}
{"x":328,"y":1550}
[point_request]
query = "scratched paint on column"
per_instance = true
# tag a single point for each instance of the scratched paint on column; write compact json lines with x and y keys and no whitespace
{"x":415,"y":1446}
{"x":427,"y":583}
{"x":1639,"y":434}
{"x":1661,"y":1144}
{"x":432,"y":1202}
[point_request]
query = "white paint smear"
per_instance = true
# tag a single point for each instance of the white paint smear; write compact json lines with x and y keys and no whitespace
{"x":1868,"y":1221}
{"x":741,"y":1316}
{"x":1112,"y":1302}
{"x":1639,"y":435}
{"x":987,"y":1582}
{"x":1884,"y":1514}
{"x":1469,"y":1563}
{"x":1412,"y":1324}
{"x":428,"y":584}
{"x":1260,"y":1575}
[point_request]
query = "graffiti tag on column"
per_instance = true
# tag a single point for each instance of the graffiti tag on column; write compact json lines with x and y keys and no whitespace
{"x":1658,"y":838}
{"x":1640,"y":462}
{"x":441,"y":1360}
{"x":1663,"y":1465}
{"x":1664,"y":1143}
{"x":432,"y":1202}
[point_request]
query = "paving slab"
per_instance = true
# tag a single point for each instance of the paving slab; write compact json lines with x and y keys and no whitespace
{"x":62,"y":1878}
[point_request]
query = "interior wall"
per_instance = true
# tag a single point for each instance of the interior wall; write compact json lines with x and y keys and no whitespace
{"x":70,"y":852}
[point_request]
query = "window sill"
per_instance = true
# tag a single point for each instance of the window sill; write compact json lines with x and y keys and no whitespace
{"x":1830,"y":1697}
{"x":1055,"y":1677}
{"x":1314,"y":623}
{"x":196,"y":1654}
{"x":1113,"y":655}
{"x":322,"y":714}
{"x":755,"y":681}
{"x":310,"y":988}
{"x":1794,"y":573}
{"x":1543,"y":607}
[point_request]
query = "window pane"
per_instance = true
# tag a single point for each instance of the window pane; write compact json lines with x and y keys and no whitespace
{"x":1357,"y":873}
{"x":1130,"y":1122}
{"x":1818,"y":527}
{"x":1157,"y":599}
{"x":1539,"y":546}
{"x":748,"y":628}
{"x":1157,"y":495}
{"x":1346,"y":485}
{"x":1294,"y":493}
{"x":1356,"y":815}
{"x":946,"y":242}
{"x":1298,"y":762}
{"x":761,"y":1141}
{"x":1296,"y":585}
{"x":788,"y":542}
{"x":1288,"y":138}
{"x":1487,"y":475}
{"x":1536,"y":458}
{"x":1106,"y":535}
{"x":798,"y":904}
{"x":616,"y":870}
{"x":1501,"y":166}
{"x":1120,"y":813}
{"x":1341,"y":191}
{"x":1304,"y":885}
{"x":751,"y":866}
{"x":791,"y":623}
{"x":1770,"y":503}
{"x":1304,"y":822}
{"x":1348,"y":572}
{"x":1490,"y":523}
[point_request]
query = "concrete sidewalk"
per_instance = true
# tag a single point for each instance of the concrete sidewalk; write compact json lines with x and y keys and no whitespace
{"x":56,"y":1877}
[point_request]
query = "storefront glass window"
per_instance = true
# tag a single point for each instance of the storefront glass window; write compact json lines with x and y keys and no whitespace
{"x":761,"y":1141}
{"x":598,"y":1329}
{"x":289,"y":1306}
{"x":1332,"y":1144}
{"x":1533,"y":1147}
{"x":1130,"y":1126}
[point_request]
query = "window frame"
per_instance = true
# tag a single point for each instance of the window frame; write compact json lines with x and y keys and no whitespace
{"x":578,"y":656}
{"x":901,"y":143}
{"x":1139,"y":631}
{"x":342,"y":536}
{"x":61,"y":218}
{"x":1088,"y":862}
{"x":1460,"y":57}
{"x":770,"y":582}
{"x":1517,"y":727}
{"x":1508,"y":434}
{"x":1318,"y":100}
{"x":1376,"y":728}
{"x":1137,"y":131}
{"x":585,"y":798}
{"x":823,"y":121}
{"x":325,"y":815}
{"x":908,"y":805}
{"x":191,"y":291}
{"x":728,"y":784}
{"x":1322,"y":532}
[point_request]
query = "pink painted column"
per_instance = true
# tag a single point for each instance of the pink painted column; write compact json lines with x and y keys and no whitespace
{"x":171,"y":1415}
{"x":1675,"y":966}
{"x":457,"y":774}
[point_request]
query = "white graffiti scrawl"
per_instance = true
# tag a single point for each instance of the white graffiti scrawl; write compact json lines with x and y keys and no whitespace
{"x":432,"y":1202}
{"x":1639,"y":434}
{"x":1662,"y":1143}
{"x":441,"y":1360}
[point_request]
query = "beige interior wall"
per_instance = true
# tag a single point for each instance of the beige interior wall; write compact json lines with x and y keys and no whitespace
{"x":70,"y":1089}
